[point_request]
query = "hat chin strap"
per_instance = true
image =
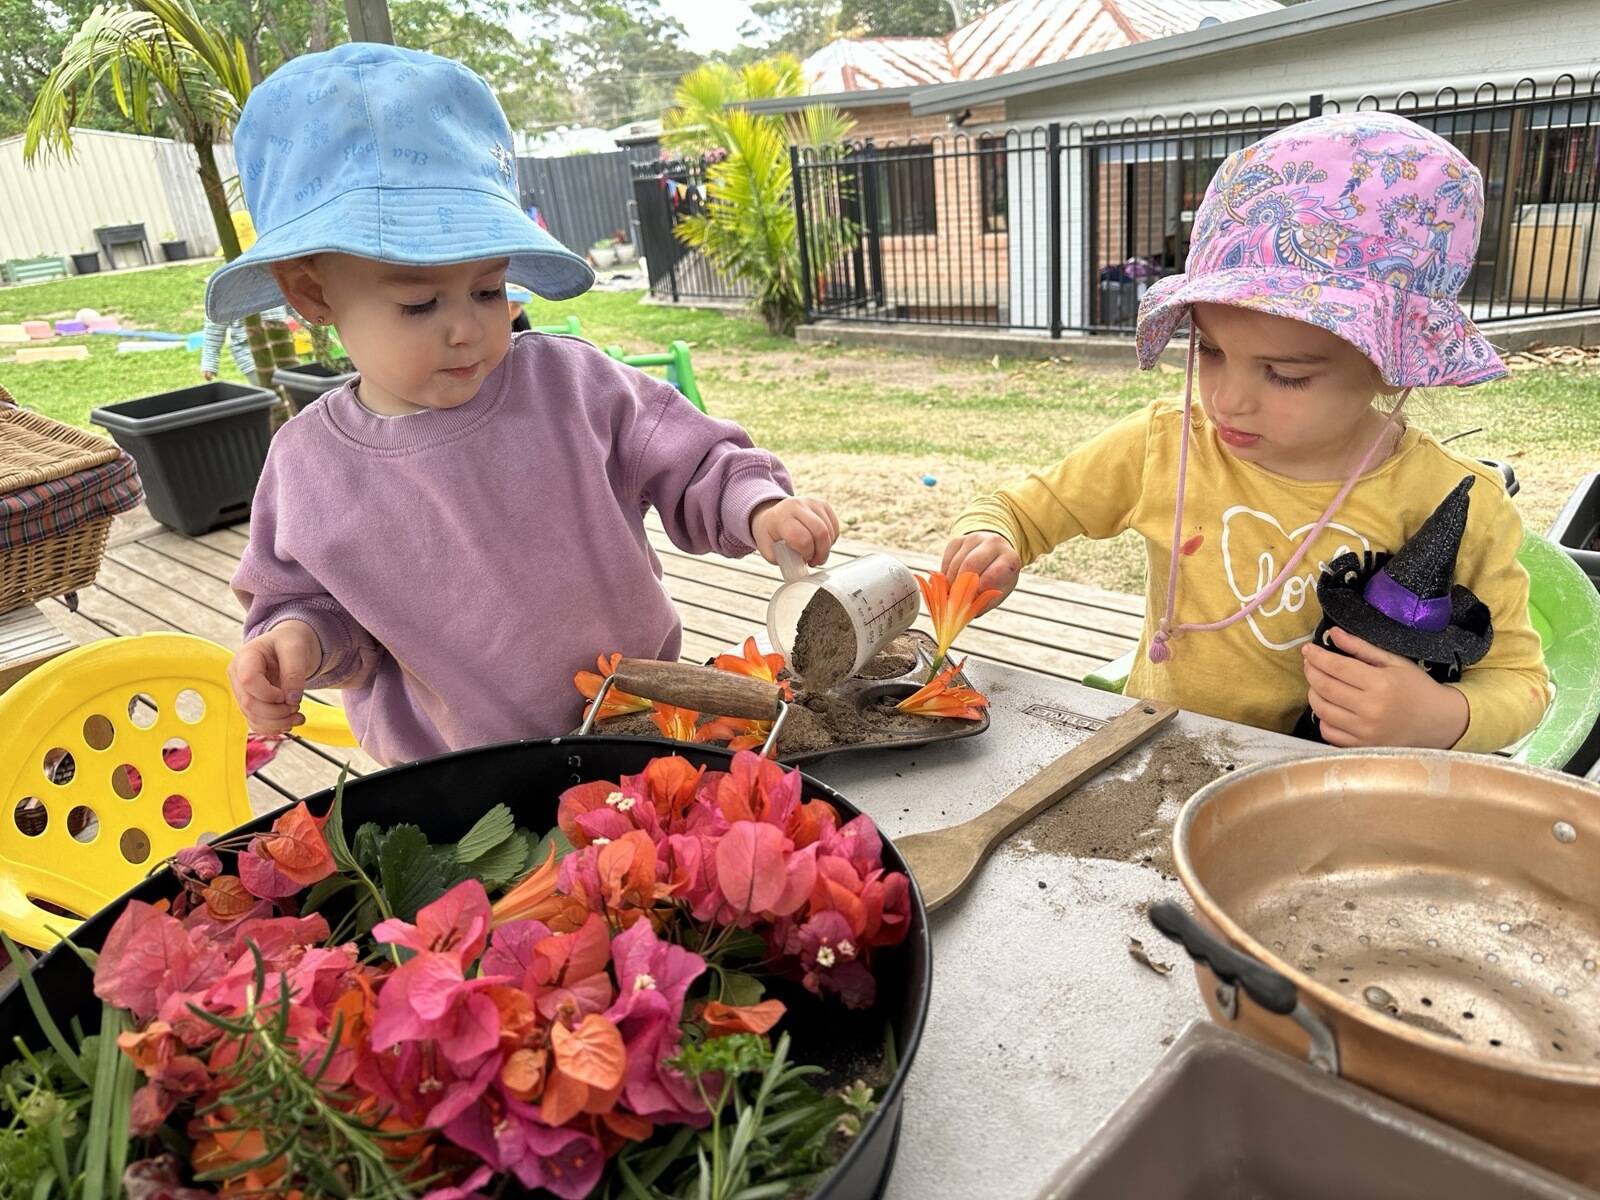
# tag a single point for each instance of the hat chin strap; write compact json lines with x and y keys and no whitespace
{"x":1160,"y":644}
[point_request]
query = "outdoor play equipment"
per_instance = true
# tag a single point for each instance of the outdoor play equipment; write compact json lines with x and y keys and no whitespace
{"x":88,"y":799}
{"x":680,"y":371}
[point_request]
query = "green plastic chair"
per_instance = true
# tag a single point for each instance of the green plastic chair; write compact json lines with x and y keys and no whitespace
{"x":1564,"y":608}
{"x":680,"y":371}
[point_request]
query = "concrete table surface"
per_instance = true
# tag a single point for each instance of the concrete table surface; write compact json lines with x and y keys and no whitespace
{"x":1040,"y":1022}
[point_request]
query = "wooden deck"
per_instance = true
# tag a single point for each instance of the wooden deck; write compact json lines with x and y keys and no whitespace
{"x":154,"y":579}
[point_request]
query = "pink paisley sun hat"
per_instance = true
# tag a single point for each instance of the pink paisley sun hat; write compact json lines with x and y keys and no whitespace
{"x":1365,"y":224}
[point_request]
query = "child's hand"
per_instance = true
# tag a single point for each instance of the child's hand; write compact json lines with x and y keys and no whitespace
{"x":1375,"y":698}
{"x":269,"y":673}
{"x":808,"y":527}
{"x":208,"y":376}
{"x":993,"y":559}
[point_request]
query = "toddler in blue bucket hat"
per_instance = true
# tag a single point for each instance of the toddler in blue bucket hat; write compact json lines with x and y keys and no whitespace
{"x":451,"y":536}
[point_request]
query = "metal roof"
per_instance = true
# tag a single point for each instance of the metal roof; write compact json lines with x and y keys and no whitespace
{"x":1013,"y":37}
{"x":1268,"y":23}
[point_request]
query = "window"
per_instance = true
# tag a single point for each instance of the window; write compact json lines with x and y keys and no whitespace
{"x":992,"y":182}
{"x":906,"y":190}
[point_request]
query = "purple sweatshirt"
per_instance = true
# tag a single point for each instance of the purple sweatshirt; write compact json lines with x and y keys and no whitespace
{"x":459,"y":566}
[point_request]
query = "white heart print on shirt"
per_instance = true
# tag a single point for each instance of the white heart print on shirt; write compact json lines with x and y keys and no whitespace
{"x":1251,"y":543}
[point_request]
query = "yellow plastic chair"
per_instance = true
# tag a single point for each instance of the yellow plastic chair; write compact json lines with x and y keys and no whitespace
{"x":88,"y":803}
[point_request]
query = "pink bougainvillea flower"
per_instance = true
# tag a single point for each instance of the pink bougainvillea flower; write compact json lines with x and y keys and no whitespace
{"x":467,"y":1189}
{"x":759,"y":873}
{"x":510,"y":1136}
{"x":831,"y":961}
{"x":148,"y":956}
{"x":421,"y":1084}
{"x":645,"y":963}
{"x":618,"y":702}
{"x":569,"y":972}
{"x":457,"y":923}
{"x":173,"y":1075}
{"x":428,"y":999}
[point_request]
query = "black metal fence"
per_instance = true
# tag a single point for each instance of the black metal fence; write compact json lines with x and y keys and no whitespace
{"x":1064,"y":227}
{"x":664,"y":193}
{"x":583,"y":198}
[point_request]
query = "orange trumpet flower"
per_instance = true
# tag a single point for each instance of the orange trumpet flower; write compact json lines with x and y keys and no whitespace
{"x":618,"y":703}
{"x":676,"y":723}
{"x":939,"y":698}
{"x":754,"y":664}
{"x":951,"y":608}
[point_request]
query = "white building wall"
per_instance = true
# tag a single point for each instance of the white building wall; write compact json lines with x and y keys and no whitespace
{"x":54,"y":205}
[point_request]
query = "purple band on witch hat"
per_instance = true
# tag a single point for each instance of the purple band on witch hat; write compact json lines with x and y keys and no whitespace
{"x":1405,"y":606}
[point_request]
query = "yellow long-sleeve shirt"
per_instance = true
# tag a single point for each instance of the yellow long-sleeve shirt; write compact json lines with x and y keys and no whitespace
{"x":1241,"y":524}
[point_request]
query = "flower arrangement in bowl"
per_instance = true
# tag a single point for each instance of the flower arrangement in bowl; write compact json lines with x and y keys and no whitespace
{"x":706,"y":980}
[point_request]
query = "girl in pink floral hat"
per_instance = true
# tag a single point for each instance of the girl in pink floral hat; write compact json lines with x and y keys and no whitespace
{"x":1321,"y":287}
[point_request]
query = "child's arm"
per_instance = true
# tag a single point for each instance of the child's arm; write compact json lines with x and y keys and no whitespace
{"x":1092,"y":492}
{"x":706,"y":478}
{"x":211,"y":348}
{"x":1378,"y":699}
{"x":297,"y":636}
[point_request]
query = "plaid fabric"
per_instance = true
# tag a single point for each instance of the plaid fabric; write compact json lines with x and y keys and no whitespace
{"x":30,"y":515}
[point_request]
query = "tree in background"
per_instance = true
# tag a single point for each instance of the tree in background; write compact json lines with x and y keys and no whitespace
{"x":32,"y":35}
{"x":795,"y":27}
{"x":628,"y":55}
{"x":160,"y":58}
{"x":747,"y":229}
{"x":906,"y":18}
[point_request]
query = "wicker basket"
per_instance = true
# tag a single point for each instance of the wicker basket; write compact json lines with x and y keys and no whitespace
{"x":35,"y":449}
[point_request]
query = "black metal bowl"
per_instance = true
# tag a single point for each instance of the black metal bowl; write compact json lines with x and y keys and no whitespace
{"x":444,"y":796}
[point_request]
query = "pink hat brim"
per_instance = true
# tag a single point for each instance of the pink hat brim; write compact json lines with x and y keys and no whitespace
{"x":1413,"y":340}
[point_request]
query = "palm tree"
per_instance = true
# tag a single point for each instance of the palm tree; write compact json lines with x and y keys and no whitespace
{"x":159,"y":53}
{"x":707,"y":94}
{"x":748,"y":229}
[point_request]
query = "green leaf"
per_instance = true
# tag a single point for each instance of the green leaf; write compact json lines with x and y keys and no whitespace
{"x":41,"y":1012}
{"x":410,"y":872}
{"x":367,"y":844}
{"x":541,"y":849}
{"x":333,"y":827}
{"x":743,"y":945}
{"x":739,"y":988}
{"x":501,"y":865}
{"x":323,"y":889}
{"x":486,"y":834}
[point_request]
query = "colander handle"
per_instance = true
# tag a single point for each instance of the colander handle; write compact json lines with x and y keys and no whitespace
{"x":1236,"y":971}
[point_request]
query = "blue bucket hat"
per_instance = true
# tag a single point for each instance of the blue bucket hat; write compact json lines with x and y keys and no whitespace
{"x":388,"y":154}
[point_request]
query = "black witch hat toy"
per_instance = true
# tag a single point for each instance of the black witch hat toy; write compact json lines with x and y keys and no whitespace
{"x":1408,"y":603}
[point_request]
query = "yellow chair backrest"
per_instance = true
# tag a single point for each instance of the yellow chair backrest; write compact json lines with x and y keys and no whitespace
{"x":94,"y":789}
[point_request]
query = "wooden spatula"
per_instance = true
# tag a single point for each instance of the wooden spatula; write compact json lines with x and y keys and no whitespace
{"x":945,"y":860}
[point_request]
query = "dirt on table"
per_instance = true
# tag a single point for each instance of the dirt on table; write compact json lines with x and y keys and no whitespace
{"x":1130,"y":820}
{"x":824,"y":643}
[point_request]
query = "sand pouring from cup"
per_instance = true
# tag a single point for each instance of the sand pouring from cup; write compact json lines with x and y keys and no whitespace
{"x":877,"y":592}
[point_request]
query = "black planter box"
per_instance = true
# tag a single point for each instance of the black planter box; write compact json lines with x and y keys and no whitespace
{"x":305,"y":382}
{"x":1578,"y":526}
{"x":175,"y":251}
{"x":86,"y":263}
{"x":199,"y":450}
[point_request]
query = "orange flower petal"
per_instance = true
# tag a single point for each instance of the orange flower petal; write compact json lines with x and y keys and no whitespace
{"x":722,"y":1019}
{"x":939,"y":698}
{"x":676,"y":723}
{"x":536,"y":887}
{"x":226,"y":898}
{"x":592,"y":1054}
{"x":952,"y":608}
{"x":618,"y":703}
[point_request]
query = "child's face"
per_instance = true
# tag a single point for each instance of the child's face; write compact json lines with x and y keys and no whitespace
{"x":1283,"y":394}
{"x":422,"y":337}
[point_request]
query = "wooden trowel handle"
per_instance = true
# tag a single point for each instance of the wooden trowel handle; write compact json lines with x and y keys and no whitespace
{"x":704,"y":689}
{"x":1084,"y":760}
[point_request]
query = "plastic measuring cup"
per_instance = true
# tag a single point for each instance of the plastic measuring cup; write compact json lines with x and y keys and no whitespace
{"x":877,"y":591}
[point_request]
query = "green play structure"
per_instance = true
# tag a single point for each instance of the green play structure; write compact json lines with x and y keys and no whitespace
{"x":680,"y":372}
{"x":1564,"y":608}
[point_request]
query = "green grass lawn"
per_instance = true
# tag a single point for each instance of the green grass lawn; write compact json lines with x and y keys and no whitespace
{"x":859,"y":427}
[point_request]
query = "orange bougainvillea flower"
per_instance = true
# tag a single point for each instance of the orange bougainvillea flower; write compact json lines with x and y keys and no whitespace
{"x":676,"y":723}
{"x":587,"y":1075}
{"x":297,"y":848}
{"x":756,"y":665}
{"x":951,"y":608}
{"x":618,"y":703}
{"x":721,"y":1019}
{"x":942,"y":698}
